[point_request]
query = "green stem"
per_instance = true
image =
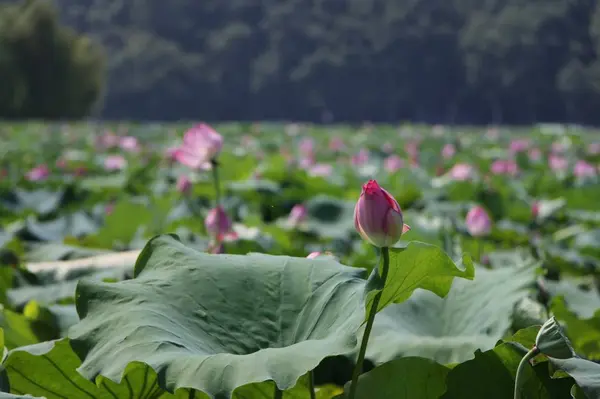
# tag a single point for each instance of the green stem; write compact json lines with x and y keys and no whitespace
{"x":518,"y":379}
{"x":385,"y":252}
{"x":216,"y":182}
{"x":311,"y":385}
{"x":278,"y":393}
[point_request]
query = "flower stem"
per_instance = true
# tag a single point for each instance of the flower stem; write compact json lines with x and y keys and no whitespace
{"x":278,"y":393}
{"x":311,"y":385}
{"x":216,"y":182}
{"x":518,"y":378}
{"x":385,"y":253}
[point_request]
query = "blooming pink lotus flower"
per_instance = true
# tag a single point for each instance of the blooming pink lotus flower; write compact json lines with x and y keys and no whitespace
{"x":478,"y":222}
{"x":584,"y":169}
{"x":184,"y":184}
{"x":201,"y":145}
{"x":378,"y":217}
{"x":336,"y":144}
{"x":393,"y":163}
{"x":534,"y":154}
{"x":593,"y":149}
{"x":129,"y":144}
{"x":360,"y":158}
{"x":115,"y":162}
{"x":519,"y":145}
{"x":461,"y":172}
{"x":448,"y":151}
{"x":504,"y":167}
{"x":297,"y":214}
{"x":218,"y":224}
{"x":39,"y":173}
{"x":557,"y":163}
{"x":307,"y":147}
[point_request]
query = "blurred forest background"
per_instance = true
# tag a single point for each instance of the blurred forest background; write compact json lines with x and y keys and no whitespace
{"x":435,"y":61}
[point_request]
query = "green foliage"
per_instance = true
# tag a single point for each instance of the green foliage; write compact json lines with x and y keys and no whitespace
{"x":49,"y":71}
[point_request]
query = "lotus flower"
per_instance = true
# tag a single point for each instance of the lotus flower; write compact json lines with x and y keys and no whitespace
{"x":297,"y":215}
{"x":201,"y":145}
{"x":38,"y":173}
{"x":461,"y":172}
{"x":306,"y":162}
{"x":558,"y":147}
{"x":129,"y":144}
{"x":519,"y":145}
{"x":307,"y":147}
{"x":412,"y":149}
{"x":320,"y":170}
{"x":184,"y":184}
{"x":504,"y":167}
{"x":393,"y":163}
{"x":448,"y":151}
{"x":478,"y":222}
{"x":218,"y":224}
{"x":336,"y":144}
{"x":535,"y":154}
{"x":557,"y":163}
{"x":114,"y":162}
{"x":361,"y":158}
{"x":316,"y":254}
{"x":584,"y":169}
{"x":593,"y":149}
{"x":378,"y":217}
{"x":535,"y":209}
{"x":108,"y":140}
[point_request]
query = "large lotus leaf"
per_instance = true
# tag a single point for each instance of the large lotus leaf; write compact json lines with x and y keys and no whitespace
{"x":491,"y":375}
{"x":474,"y":315}
{"x":419,"y":265}
{"x":404,"y":378}
{"x":49,"y":369}
{"x":584,"y":302}
{"x":584,"y":333}
{"x":330,"y":217}
{"x":215,"y":323}
{"x":584,"y":372}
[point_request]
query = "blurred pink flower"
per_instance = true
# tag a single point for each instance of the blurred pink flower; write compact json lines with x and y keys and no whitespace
{"x":518,"y":145}
{"x":115,"y":162}
{"x":558,"y":147}
{"x":321,"y":170}
{"x":218,"y":224}
{"x":184,"y":184}
{"x":297,"y":214}
{"x":448,"y":151}
{"x":109,"y":208}
{"x":336,"y":144}
{"x":39,"y":173}
{"x":108,"y":140}
{"x":557,"y":163}
{"x":535,"y":154}
{"x":360,"y":158}
{"x":593,"y":149}
{"x":306,"y":147}
{"x":584,"y":169}
{"x":201,"y":145}
{"x":171,"y":152}
{"x":535,"y":209}
{"x":129,"y":144}
{"x":306,"y":162}
{"x":504,"y":167}
{"x":61,"y":163}
{"x":478,"y":222}
{"x":461,"y":172}
{"x":412,"y":149}
{"x":393,"y":163}
{"x":317,"y":254}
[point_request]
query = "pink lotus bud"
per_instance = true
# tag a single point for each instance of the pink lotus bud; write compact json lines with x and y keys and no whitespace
{"x":557,"y":163}
{"x":412,"y":149}
{"x":584,"y":169}
{"x":38,"y":173}
{"x":519,"y":145}
{"x":504,"y":167}
{"x":218,"y":224}
{"x":320,"y":170}
{"x":478,"y":222}
{"x":393,"y":163}
{"x":297,"y":214}
{"x":306,"y":162}
{"x":448,"y":151}
{"x":129,"y":144}
{"x":378,"y":217}
{"x":307,"y":147}
{"x":201,"y":145}
{"x":108,"y":140}
{"x":184,"y":184}
{"x":115,"y":162}
{"x":461,"y":172}
{"x":535,"y":154}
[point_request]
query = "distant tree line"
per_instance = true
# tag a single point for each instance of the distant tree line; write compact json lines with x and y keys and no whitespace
{"x":451,"y":61}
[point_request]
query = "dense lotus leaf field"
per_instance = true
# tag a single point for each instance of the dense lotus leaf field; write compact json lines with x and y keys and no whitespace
{"x":116,"y":281}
